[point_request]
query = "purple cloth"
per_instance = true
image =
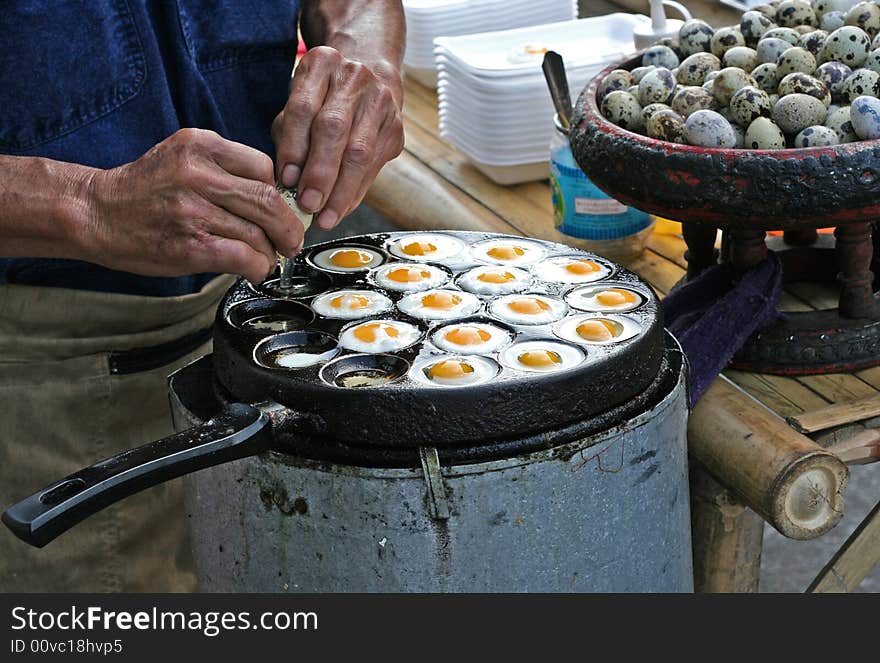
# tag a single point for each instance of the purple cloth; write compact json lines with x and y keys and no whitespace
{"x":713,"y":315}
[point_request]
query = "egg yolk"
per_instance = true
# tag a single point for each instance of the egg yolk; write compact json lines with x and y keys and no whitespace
{"x":441,"y":300}
{"x":351,"y":258}
{"x":467,"y":336}
{"x":528,"y":306}
{"x":369,"y":333}
{"x":450,"y":369}
{"x":615,"y":297}
{"x":496,"y":277}
{"x":597,"y":330}
{"x":540,"y":358}
{"x":419,"y":248}
{"x":408,"y":274}
{"x":582,"y":267}
{"x":506,"y":252}
{"x":351,"y":302}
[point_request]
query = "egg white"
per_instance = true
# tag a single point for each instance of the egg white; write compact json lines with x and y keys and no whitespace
{"x":407,"y":335}
{"x":570,"y":356}
{"x":322,"y":259}
{"x":584,"y":298}
{"x":484,"y":369}
{"x":567,"y":329}
{"x":497,"y":338}
{"x":447,"y":246}
{"x":553,"y":269}
{"x":437,"y":277}
{"x":469,"y":281}
{"x":412,"y":305}
{"x":532,"y":252}
{"x":378,"y":303}
{"x":500,"y":309}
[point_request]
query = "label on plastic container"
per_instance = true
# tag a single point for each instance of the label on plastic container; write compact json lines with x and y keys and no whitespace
{"x":582,"y":210}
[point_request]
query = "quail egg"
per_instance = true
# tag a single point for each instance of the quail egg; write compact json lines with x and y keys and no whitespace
{"x":749,"y":103}
{"x":650,"y":109}
{"x":347,"y":259}
{"x":455,"y":371}
{"x":694,"y":36}
{"x":840,"y":122}
{"x":814,"y":41}
{"x":470,"y":338}
{"x":594,"y":329}
{"x":875,"y":42}
{"x":426,"y":247}
{"x":439,"y":304}
{"x":849,"y":45}
{"x":350,"y":304}
{"x":795,"y":112}
{"x":619,"y":79}
{"x":403,"y":277}
{"x":541,"y":356}
{"x":765,"y":76}
{"x":865,"y":117}
{"x":657,"y":87}
{"x":832,"y":20}
{"x":768,"y":10}
{"x":706,"y":128}
{"x":742,"y":57}
{"x":639,"y":73}
{"x":753,"y":25}
{"x":823,"y":7}
{"x":727,"y":82}
{"x":770,"y":48}
{"x":513,"y":251}
{"x":570,"y":269}
{"x":872,"y":62}
{"x":376,"y":336}
{"x":724,"y":39}
{"x":660,"y":56}
{"x":696,"y":67}
{"x":689,"y":99}
{"x":634,"y":91}
{"x":865,"y":15}
{"x":785,"y":34}
{"x":861,"y":83}
{"x":798,"y":83}
{"x":623,"y":109}
{"x":816,"y":136}
{"x":763,"y":134}
{"x":604,"y":299}
{"x":833,"y":74}
{"x":528,"y":309}
{"x":795,"y":12}
{"x":795,"y":59}
{"x":494,"y":280}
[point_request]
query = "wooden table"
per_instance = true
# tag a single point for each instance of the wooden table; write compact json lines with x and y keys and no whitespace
{"x":433,"y":186}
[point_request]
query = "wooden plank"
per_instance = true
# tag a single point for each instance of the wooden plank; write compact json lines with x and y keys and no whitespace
{"x":855,"y":559}
{"x":838,"y":387}
{"x":836,"y":414}
{"x":785,"y":396}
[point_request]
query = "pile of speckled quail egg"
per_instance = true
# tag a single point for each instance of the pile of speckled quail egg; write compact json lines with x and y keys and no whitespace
{"x":792,"y":74}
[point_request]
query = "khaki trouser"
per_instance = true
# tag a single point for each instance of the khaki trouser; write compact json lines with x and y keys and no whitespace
{"x":61,"y":409}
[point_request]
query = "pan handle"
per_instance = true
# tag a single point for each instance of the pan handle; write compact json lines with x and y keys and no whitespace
{"x":239,"y":431}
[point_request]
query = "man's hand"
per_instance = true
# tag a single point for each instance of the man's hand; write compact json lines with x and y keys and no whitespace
{"x":341,"y":124}
{"x":194,"y":203}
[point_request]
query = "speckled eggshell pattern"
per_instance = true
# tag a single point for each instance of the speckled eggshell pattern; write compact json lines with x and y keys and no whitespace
{"x":849,"y":45}
{"x":795,"y":112}
{"x":695,"y":68}
{"x":707,"y":128}
{"x":840,"y":122}
{"x":749,"y":103}
{"x":816,"y":136}
{"x":763,"y":134}
{"x":865,"y":117}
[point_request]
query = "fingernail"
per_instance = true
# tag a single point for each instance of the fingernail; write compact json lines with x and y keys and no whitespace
{"x":327,"y":219}
{"x":310,"y":200}
{"x":290,"y":175}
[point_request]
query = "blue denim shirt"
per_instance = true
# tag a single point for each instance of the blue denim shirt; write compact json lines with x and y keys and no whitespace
{"x":99,"y":82}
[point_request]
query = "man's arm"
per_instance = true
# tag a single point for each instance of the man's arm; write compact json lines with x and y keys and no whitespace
{"x":342,"y":121}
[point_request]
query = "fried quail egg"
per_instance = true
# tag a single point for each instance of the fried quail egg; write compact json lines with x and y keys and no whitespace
{"x":592,"y":329}
{"x":571,"y":269}
{"x":425,"y":247}
{"x":439,"y":304}
{"x":405,"y":277}
{"x":470,"y":338}
{"x":379,"y":336}
{"x":604,"y":298}
{"x":541,"y":356}
{"x":507,"y":252}
{"x":495,"y":280}
{"x":348,"y":259}
{"x":350,"y":304}
{"x":528,"y":309}
{"x":455,"y":371}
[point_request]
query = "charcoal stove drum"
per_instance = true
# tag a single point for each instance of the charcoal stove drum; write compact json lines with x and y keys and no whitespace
{"x":441,"y":411}
{"x":746,"y":193}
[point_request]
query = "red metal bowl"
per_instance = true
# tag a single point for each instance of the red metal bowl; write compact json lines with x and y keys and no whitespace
{"x":756,"y":189}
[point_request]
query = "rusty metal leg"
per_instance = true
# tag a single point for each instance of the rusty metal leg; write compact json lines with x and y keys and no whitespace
{"x":854,"y":253}
{"x":701,"y":253}
{"x":727,"y":538}
{"x":747,"y":249}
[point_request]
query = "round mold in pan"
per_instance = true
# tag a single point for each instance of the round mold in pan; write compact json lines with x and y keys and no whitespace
{"x":269,"y":316}
{"x":512,"y":403}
